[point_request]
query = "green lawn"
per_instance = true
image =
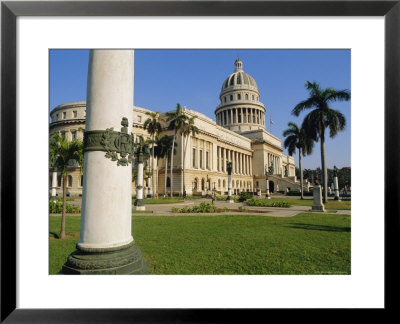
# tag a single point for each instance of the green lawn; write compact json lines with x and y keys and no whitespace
{"x":308,"y":243}
{"x":161,"y":200}
{"x":331,"y":204}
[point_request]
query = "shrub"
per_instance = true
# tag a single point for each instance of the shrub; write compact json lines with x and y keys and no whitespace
{"x":67,"y":199}
{"x":297,"y":193}
{"x":56,"y":208}
{"x":202,"y":208}
{"x":267,"y":203}
{"x":244,"y":195}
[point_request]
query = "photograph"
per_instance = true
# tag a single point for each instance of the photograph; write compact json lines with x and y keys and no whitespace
{"x":199,"y":161}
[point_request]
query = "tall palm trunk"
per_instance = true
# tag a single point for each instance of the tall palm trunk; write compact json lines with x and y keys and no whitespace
{"x":324,"y":170}
{"x":184,"y":159}
{"x":62,"y":232}
{"x":301,"y":175}
{"x":172,"y":163}
{"x":166,"y":174}
{"x":152,"y":169}
{"x":157,"y":174}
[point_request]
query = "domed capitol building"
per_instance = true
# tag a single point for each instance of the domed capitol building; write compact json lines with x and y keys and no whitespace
{"x":238,"y":135}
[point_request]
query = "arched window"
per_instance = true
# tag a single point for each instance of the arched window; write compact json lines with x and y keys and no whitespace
{"x":247,"y":96}
{"x":239,"y":96}
{"x":223,"y":183}
{"x":231,"y":97}
{"x":81,"y":180}
{"x":219,"y":183}
{"x":202,"y":184}
{"x":168,"y":182}
{"x":224,"y":99}
{"x":59,"y":181}
{"x":69,"y":181}
{"x":195,"y":184}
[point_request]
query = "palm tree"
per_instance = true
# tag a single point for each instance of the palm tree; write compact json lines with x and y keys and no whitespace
{"x":322,"y":117}
{"x":297,"y":138}
{"x":176,"y":121}
{"x":65,"y":153}
{"x":163,"y":150}
{"x":188,"y":128}
{"x":153,"y":127}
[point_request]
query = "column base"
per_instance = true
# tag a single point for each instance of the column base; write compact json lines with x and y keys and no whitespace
{"x":139,"y":205}
{"x":318,"y":208}
{"x":112,"y":261}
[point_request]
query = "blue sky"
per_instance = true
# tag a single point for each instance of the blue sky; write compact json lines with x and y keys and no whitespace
{"x":194,"y":78}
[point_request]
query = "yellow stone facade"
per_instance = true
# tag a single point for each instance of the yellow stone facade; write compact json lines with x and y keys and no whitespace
{"x":238,"y":135}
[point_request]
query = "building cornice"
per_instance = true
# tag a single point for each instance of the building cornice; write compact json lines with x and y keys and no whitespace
{"x":67,"y":122}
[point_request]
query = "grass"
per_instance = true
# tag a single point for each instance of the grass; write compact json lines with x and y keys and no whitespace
{"x":308,"y":243}
{"x":331,"y":204}
{"x":142,"y":212}
{"x":160,"y":201}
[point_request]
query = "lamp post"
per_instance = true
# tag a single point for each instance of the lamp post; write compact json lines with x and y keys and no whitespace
{"x":267,"y":181}
{"x":229,"y":169}
{"x":335,"y":182}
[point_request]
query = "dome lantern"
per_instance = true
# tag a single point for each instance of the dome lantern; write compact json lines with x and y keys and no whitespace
{"x":238,"y":65}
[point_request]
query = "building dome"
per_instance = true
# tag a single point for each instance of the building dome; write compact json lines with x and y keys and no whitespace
{"x":240,"y":109}
{"x":239,"y":80}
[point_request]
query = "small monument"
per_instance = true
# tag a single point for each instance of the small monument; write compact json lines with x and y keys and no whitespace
{"x":141,"y":153}
{"x":335,"y":183}
{"x":229,"y":169}
{"x":317,"y":204}
{"x":106,"y":245}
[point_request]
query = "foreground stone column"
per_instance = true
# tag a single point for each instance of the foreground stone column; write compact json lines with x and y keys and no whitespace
{"x":54,"y":186}
{"x":106,"y":245}
{"x":317,"y":204}
{"x":229,"y":168}
{"x":336,"y":188}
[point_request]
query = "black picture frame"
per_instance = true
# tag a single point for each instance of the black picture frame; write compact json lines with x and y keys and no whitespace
{"x":10,"y":10}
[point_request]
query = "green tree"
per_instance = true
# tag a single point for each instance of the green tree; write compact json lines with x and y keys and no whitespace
{"x":188,"y":128}
{"x":297,"y":138}
{"x":65,"y":153}
{"x":321,"y":118}
{"x":177,"y":120}
{"x":163,"y":150}
{"x":153,"y":127}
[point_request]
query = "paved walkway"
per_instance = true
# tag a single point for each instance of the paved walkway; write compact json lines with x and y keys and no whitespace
{"x":165,"y":209}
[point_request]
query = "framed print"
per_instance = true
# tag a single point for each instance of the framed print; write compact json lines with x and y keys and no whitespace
{"x":26,"y":40}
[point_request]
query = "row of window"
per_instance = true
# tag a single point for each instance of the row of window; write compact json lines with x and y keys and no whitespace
{"x":63,"y":115}
{"x":239,"y":97}
{"x":194,"y":159}
{"x":204,"y":185}
{"x":69,"y":181}
{"x":74,"y":134}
